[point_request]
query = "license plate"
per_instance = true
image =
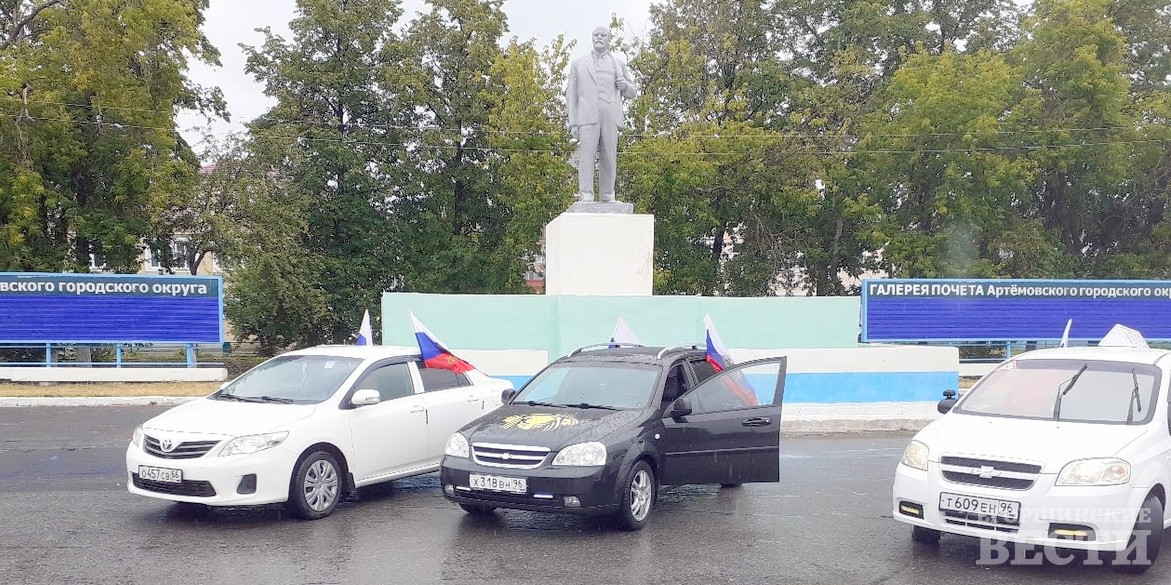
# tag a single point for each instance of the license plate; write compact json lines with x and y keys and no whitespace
{"x":496,"y":483}
{"x":987,"y":507}
{"x":163,"y":474}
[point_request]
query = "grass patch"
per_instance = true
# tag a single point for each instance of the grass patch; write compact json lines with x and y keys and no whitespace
{"x":106,"y":389}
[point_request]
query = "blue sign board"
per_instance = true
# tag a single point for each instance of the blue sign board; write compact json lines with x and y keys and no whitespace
{"x":110,"y":308}
{"x":1011,"y":310}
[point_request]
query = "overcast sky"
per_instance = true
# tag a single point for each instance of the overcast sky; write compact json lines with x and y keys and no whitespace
{"x":232,"y":22}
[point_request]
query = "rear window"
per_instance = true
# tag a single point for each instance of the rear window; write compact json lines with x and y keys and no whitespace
{"x":437,"y":379}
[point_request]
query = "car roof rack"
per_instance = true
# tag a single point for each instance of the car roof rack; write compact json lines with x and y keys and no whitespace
{"x":674,"y":348}
{"x":607,"y":345}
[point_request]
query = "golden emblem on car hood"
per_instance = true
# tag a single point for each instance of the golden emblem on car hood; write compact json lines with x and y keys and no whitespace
{"x":538,"y":422}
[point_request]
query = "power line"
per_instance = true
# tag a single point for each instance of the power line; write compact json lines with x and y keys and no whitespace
{"x":765,"y":133}
{"x":638,"y":151}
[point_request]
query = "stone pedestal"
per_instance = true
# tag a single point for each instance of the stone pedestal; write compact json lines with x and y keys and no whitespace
{"x":605,"y":254}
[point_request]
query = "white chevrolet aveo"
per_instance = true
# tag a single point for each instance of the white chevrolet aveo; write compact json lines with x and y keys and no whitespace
{"x":306,"y":428}
{"x":1066,"y":448}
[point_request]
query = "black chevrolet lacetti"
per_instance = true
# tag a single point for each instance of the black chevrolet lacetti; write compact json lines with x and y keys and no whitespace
{"x":598,"y":431}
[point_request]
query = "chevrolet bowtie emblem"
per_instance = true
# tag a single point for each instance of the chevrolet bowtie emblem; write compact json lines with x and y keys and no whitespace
{"x":986,"y":472}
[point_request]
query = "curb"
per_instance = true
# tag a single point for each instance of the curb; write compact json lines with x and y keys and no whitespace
{"x":97,"y":401}
{"x":800,"y":418}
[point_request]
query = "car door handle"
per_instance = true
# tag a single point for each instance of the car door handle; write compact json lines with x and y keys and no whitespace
{"x":757,"y":421}
{"x":473,"y":398}
{"x":416,"y":409}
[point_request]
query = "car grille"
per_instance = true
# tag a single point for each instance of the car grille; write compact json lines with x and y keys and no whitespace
{"x":978,"y":521}
{"x":199,"y":489}
{"x":187,"y":450}
{"x":984,"y":472}
{"x":510,"y":456}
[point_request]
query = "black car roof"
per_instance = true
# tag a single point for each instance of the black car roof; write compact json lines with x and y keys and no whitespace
{"x":632,"y":354}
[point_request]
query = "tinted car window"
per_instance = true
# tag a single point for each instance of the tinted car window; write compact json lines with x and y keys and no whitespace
{"x":437,"y":379}
{"x":294,"y":378}
{"x":702,"y":370}
{"x":747,"y":386}
{"x":391,"y":381}
{"x":602,"y":384}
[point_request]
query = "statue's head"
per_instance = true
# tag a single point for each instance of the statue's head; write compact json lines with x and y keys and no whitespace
{"x":600,"y":38}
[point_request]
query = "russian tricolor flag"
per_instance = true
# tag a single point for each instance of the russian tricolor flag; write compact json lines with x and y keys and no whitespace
{"x":365,"y":333}
{"x":717,"y":353}
{"x":435,"y":353}
{"x":720,"y":359}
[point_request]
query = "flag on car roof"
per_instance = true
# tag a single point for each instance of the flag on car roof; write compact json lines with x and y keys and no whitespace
{"x":435,"y":353}
{"x":623,"y":334}
{"x":717,"y":353}
{"x":365,"y":334}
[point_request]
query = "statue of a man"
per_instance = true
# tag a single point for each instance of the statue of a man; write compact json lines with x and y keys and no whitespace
{"x":597,"y":84}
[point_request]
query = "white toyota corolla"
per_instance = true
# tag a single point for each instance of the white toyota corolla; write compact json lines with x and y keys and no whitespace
{"x":1066,"y":448}
{"x":307,"y":427}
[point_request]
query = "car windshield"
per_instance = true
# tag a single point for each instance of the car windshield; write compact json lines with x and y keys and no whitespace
{"x":299,"y":379}
{"x":584,"y":385}
{"x":1071,"y":390}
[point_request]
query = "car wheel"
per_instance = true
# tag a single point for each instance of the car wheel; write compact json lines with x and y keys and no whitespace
{"x":478,"y":509}
{"x":923,"y":535}
{"x":1143,"y":548}
{"x":638,"y":497}
{"x":316,"y":486}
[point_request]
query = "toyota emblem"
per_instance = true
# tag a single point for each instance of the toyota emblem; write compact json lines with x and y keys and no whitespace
{"x":167,"y":445}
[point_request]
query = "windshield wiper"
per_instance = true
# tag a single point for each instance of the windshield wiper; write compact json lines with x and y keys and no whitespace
{"x":588,"y":405}
{"x":1135,"y":399}
{"x":538,"y":403}
{"x":274,"y":399}
{"x":1062,"y":392}
{"x":223,"y":396}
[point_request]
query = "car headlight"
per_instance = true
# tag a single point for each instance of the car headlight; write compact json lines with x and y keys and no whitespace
{"x":136,"y":438}
{"x":457,"y":446}
{"x":1107,"y":471}
{"x":253,"y":443}
{"x":582,"y":454}
{"x":915,"y":455}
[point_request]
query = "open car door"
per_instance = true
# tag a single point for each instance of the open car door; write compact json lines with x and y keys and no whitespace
{"x":728,"y":428}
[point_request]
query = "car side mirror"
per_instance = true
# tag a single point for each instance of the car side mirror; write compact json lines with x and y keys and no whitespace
{"x":949,"y":400}
{"x":365,"y":397}
{"x":507,"y":395}
{"x":680,"y":408}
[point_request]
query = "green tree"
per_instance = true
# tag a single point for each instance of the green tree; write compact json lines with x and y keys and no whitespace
{"x":89,"y":155}
{"x":458,"y":214}
{"x":947,"y":175}
{"x":742,"y":184}
{"x":529,"y":145}
{"x":1094,"y":122}
{"x":336,"y":133}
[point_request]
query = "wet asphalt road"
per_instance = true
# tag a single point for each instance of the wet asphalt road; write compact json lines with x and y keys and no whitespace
{"x":65,"y":517}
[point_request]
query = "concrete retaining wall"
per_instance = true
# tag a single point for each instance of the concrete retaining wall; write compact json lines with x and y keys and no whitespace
{"x":514,"y":336}
{"x":130,"y":374}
